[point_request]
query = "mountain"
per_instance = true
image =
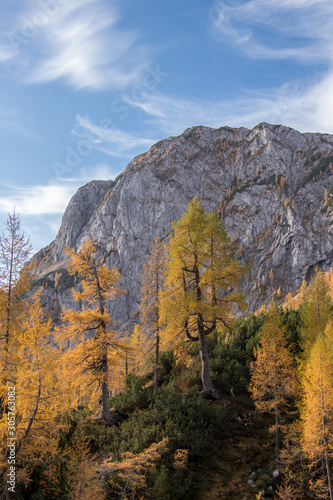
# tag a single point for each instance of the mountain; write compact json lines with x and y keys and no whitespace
{"x":271,"y":185}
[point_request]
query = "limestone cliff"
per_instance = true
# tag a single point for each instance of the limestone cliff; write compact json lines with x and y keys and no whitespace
{"x":268,"y":184}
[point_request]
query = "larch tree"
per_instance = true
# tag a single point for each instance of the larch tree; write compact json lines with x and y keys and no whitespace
{"x":15,"y":249}
{"x":316,"y":310}
{"x":83,"y":479}
{"x":315,"y":373}
{"x":39,"y":399}
{"x":150,"y":314}
{"x":294,"y":473}
{"x":136,"y":360}
{"x":201,"y":284}
{"x":92,"y":326}
{"x":273,"y":378}
{"x":317,"y":411}
{"x":132,"y":469}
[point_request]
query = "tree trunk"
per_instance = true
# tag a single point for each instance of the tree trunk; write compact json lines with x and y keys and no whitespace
{"x":104,"y":390}
{"x":329,"y":475}
{"x":277,"y":435}
{"x":157,"y":355}
{"x":32,"y":418}
{"x":208,"y":389}
{"x":109,"y":417}
{"x":324,"y":431}
{"x":6,"y":367}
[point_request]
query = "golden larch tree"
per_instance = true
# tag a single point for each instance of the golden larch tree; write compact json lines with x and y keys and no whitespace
{"x":15,"y":249}
{"x":132,"y":469}
{"x":83,"y":479}
{"x":273,"y":378}
{"x":40,"y":398}
{"x":317,"y":411}
{"x":92,"y":327}
{"x":201,"y":284}
{"x":316,"y":310}
{"x":150,"y":315}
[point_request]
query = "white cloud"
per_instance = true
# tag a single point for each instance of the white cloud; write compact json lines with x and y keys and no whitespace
{"x":36,"y":200}
{"x":102,"y":172}
{"x":173,"y":115}
{"x":277,"y":29}
{"x":41,"y":207}
{"x":79,"y":41}
{"x":108,"y":139}
{"x":308,"y":107}
{"x":300,"y":30}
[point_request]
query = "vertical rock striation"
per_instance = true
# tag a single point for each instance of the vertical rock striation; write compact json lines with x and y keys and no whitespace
{"x":271,"y":185}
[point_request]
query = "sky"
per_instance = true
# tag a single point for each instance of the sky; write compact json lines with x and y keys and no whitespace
{"x":85,"y":85}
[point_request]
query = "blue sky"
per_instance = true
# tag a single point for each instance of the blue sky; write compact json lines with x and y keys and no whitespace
{"x":88,"y":84}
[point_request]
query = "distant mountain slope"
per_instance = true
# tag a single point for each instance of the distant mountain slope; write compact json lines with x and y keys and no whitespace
{"x":267,"y":183}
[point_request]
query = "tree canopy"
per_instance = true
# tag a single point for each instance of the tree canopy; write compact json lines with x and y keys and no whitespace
{"x":202,"y":281}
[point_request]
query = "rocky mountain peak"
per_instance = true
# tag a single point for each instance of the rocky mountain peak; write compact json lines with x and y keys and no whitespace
{"x":271,"y":185}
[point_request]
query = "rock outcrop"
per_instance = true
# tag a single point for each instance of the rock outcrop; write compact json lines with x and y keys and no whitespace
{"x":271,"y":185}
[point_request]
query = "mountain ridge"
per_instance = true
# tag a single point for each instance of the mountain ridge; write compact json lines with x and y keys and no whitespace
{"x":271,"y":185}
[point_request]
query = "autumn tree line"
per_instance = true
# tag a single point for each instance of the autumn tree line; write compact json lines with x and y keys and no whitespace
{"x":82,"y":391}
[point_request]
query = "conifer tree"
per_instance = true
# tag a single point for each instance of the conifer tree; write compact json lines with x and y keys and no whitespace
{"x":84,"y":483}
{"x":273,"y":376}
{"x":150,"y":316}
{"x":15,"y":249}
{"x":132,"y":469}
{"x":92,"y":326}
{"x":316,"y":310}
{"x":201,"y":282}
{"x":317,"y":411}
{"x":295,"y":475}
{"x":39,"y":397}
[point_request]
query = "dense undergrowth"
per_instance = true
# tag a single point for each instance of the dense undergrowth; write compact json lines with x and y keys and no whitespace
{"x":197,"y":430}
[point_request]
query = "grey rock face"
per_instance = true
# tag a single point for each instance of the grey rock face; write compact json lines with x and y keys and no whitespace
{"x":268,"y":184}
{"x":76,"y":216}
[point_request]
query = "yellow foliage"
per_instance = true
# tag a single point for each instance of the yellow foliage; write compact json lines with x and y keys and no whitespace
{"x":180,"y":459}
{"x":83,"y":478}
{"x":132,"y":468}
{"x":38,"y":396}
{"x":273,"y":377}
{"x":200,"y":269}
{"x":271,"y":276}
{"x":317,"y":409}
{"x":316,"y":309}
{"x":90,"y":332}
{"x":201,"y":284}
{"x":150,"y":306}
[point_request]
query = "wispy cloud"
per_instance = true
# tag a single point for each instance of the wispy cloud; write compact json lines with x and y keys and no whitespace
{"x":102,"y":172}
{"x":112,"y":141}
{"x":306,"y":106}
{"x":36,"y":200}
{"x":300,"y":30}
{"x":52,"y":198}
{"x":5,"y":53}
{"x":80,"y":41}
{"x":41,"y":207}
{"x":277,"y":29}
